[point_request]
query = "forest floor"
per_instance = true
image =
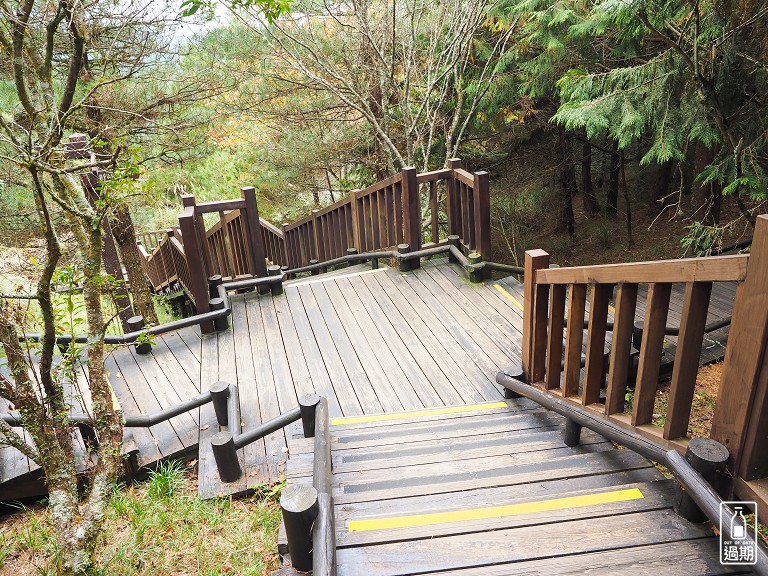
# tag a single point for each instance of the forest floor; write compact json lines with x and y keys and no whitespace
{"x":160,"y":528}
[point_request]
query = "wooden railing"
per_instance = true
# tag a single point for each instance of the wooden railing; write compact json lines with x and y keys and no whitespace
{"x":384,"y":215}
{"x":556,"y":303}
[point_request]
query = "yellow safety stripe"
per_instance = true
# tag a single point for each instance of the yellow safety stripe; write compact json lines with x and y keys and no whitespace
{"x":508,"y":295}
{"x":495,"y":511}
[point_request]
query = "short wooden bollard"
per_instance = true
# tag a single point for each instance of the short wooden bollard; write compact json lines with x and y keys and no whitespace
{"x":276,"y":287}
{"x":222,"y":323}
{"x":474,"y":274}
{"x":405,"y":265}
{"x":213,"y":285}
{"x":453,"y":240}
{"x":516,"y":372}
{"x":708,"y":457}
{"x":315,"y":271}
{"x":225,"y":454}
{"x":374,"y":263}
{"x":572,"y":433}
{"x":308,"y":407}
{"x":220,"y":400}
{"x":351,"y":252}
{"x":136,"y":324}
{"x":299,"y":506}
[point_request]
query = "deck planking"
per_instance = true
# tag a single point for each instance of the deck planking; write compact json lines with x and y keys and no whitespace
{"x":441,"y":479}
{"x":368,"y":340}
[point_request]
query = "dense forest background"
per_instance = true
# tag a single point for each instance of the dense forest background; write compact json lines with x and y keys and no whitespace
{"x":612,"y":130}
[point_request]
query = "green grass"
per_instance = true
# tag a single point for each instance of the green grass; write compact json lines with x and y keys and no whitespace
{"x":158,"y":527}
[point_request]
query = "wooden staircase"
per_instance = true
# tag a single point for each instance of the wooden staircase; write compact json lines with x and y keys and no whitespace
{"x":492,"y":489}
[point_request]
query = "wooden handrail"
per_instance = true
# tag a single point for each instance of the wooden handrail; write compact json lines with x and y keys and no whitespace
{"x":710,"y":269}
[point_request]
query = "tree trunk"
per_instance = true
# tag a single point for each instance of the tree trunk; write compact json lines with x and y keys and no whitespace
{"x":125,"y":238}
{"x":591,"y":205}
{"x":567,"y":186}
{"x":707,"y":198}
{"x":662,"y":182}
{"x":614,"y":170}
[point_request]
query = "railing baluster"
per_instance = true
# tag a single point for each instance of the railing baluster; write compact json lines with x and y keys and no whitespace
{"x":375,"y":220}
{"x":687,"y":354}
{"x":577,"y":298}
{"x":621,"y":347}
{"x":656,"y":309}
{"x":598,"y":319}
{"x":555,"y":340}
{"x":433,"y":209}
{"x":398,"y":193}
{"x":481,"y":209}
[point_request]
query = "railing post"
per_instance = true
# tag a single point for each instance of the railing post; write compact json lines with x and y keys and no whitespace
{"x":482,"y":215}
{"x":452,"y":208}
{"x":411,"y":211}
{"x":534,"y":317}
{"x":220,"y":392}
{"x":741,"y":416}
{"x":225,"y":454}
{"x":355,"y":220}
{"x":255,"y":237}
{"x":708,"y":458}
{"x":193,"y":252}
{"x":277,"y":287}
{"x":308,"y":407}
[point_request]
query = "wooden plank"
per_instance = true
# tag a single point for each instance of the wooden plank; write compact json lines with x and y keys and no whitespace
{"x":383,"y":388}
{"x":310,"y":351}
{"x":269,"y":406}
{"x":473,"y":359}
{"x":494,"y":339}
{"x":185,"y":425}
{"x":687,"y":355}
{"x":146,"y":443}
{"x":688,"y":557}
{"x":538,"y":541}
{"x":287,"y":395}
{"x":555,"y":339}
{"x":210,"y":485}
{"x":165,"y":436}
{"x":481,"y":446}
{"x":650,"y":353}
{"x":255,"y":454}
{"x":657,"y":495}
{"x":710,"y":269}
{"x":460,"y":388}
{"x":351,"y":403}
{"x":431,"y":503}
{"x":577,"y":297}
{"x":414,"y":359}
{"x":618,"y":371}
{"x":346,"y":355}
{"x":598,"y":319}
{"x":207,"y":473}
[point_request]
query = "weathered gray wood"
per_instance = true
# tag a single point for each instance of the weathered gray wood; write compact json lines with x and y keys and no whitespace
{"x":526,"y":543}
{"x":391,"y":351}
{"x":656,"y":495}
{"x":207,"y":472}
{"x":690,"y":557}
{"x":347,"y":355}
{"x":268,"y":405}
{"x":368,"y":357}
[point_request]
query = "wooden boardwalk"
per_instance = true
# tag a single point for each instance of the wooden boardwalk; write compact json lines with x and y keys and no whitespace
{"x":370,"y":341}
{"x":492,"y":489}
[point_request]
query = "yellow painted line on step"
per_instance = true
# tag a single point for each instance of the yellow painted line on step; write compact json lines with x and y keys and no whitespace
{"x":427,"y":412}
{"x":612,"y":309}
{"x":496,"y":511}
{"x":508,"y":295}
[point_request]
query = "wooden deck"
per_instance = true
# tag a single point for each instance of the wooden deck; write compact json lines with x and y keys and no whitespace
{"x":370,"y":341}
{"x":493,"y":490}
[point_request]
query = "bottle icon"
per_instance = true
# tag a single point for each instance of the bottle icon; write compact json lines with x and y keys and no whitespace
{"x":738,"y":525}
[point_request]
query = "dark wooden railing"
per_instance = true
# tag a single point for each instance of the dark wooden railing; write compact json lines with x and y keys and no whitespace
{"x":389,"y":213}
{"x":555,"y":304}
